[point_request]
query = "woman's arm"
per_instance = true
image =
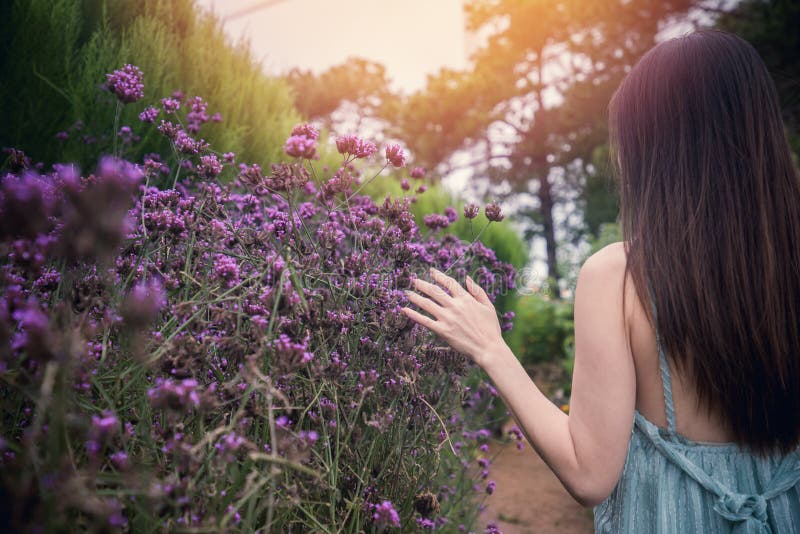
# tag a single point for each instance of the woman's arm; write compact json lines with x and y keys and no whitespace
{"x":586,"y":450}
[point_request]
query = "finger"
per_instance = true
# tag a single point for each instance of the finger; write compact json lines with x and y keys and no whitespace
{"x":432,"y":290}
{"x":427,"y":322}
{"x":426,"y":304}
{"x":477,"y":291}
{"x":450,"y":283}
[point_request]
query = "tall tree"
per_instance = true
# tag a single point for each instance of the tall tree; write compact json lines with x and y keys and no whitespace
{"x":350,"y":92}
{"x":534,"y":104}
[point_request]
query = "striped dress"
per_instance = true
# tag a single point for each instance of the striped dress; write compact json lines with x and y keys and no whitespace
{"x":671,"y":484}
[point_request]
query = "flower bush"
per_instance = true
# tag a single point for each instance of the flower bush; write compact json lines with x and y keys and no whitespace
{"x":191,"y":344}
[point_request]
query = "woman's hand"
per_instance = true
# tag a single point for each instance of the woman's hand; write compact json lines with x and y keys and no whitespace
{"x":465,"y":319}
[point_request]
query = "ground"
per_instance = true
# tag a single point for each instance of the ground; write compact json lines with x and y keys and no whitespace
{"x":529,"y":498}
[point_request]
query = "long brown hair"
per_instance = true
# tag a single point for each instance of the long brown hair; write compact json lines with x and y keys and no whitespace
{"x":710,"y":215}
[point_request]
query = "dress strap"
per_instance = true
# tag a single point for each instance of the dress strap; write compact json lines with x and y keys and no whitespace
{"x":666,"y":380}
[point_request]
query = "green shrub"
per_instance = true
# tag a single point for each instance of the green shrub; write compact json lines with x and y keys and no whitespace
{"x":543,"y":329}
{"x":50,"y":78}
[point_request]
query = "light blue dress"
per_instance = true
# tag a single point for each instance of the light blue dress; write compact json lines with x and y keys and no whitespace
{"x":673,"y":485}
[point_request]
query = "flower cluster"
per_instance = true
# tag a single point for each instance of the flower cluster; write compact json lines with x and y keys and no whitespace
{"x":355,"y":146}
{"x":204,"y":341}
{"x":126,"y":84}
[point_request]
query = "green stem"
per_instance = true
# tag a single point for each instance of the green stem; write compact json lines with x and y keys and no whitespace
{"x":117,"y":113}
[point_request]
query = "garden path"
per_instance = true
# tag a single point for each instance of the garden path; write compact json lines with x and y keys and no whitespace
{"x":529,"y":498}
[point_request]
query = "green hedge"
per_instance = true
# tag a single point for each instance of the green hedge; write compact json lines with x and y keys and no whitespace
{"x":543,"y":329}
{"x":55,"y":51}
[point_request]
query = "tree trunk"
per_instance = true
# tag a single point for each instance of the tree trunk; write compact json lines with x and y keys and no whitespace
{"x":546,"y":211}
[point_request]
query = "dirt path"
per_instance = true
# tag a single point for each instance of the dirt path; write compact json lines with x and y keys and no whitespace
{"x":529,"y":498}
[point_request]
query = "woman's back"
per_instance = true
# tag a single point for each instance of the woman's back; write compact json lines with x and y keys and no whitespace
{"x":693,"y":423}
{"x":682,"y":472}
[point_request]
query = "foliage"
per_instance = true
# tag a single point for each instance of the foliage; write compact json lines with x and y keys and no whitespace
{"x":600,"y":195}
{"x":357,"y":81}
{"x":771,"y":27}
{"x":48,"y":96}
{"x":227,"y":357}
{"x":543,"y":329}
{"x":500,"y":237}
{"x":533,"y":131}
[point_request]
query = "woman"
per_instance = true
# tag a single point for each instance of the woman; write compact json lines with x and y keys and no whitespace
{"x":685,"y":408}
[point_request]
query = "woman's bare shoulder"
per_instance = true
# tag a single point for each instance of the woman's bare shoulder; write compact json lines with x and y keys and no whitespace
{"x":604,"y":274}
{"x":609,"y":260}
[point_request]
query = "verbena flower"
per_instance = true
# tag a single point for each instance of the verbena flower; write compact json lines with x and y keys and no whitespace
{"x":210,"y":166}
{"x":126,"y":84}
{"x":385,"y":515}
{"x":175,"y":395}
{"x":435,"y":221}
{"x":395,"y":155}
{"x":471,"y":210}
{"x":493,"y":212}
{"x":197,"y":114}
{"x":247,"y":305}
{"x":417,"y":172}
{"x":306,"y":130}
{"x":143,"y":303}
{"x":170,"y":105}
{"x":355,"y":146}
{"x":300,"y":146}
{"x":149,"y":114}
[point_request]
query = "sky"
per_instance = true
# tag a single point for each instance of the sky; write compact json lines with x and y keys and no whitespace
{"x":411,"y":38}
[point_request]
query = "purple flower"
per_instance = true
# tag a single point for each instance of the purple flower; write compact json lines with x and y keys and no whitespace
{"x":385,"y":515}
{"x":197,"y":115}
{"x":435,"y":221}
{"x":226,"y":269}
{"x":507,"y":321}
{"x":177,"y":396}
{"x":289,"y":355}
{"x":418,"y":172}
{"x":300,"y":146}
{"x":308,"y":437}
{"x":210,"y":166}
{"x":149,"y":114}
{"x":306,"y":130}
{"x":126,"y":84}
{"x":395,"y":155}
{"x":490,"y":487}
{"x":34,"y":326}
{"x":142,"y":303}
{"x":451,"y":214}
{"x":471,"y":210}
{"x":229,"y":445}
{"x":170,"y":105}
{"x":26,"y":203}
{"x":425,"y":523}
{"x":493,"y":212}
{"x":185,"y":144}
{"x":127,"y":135}
{"x":120,"y":460}
{"x":355,"y":146}
{"x":104,"y":426}
{"x":491,"y":528}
